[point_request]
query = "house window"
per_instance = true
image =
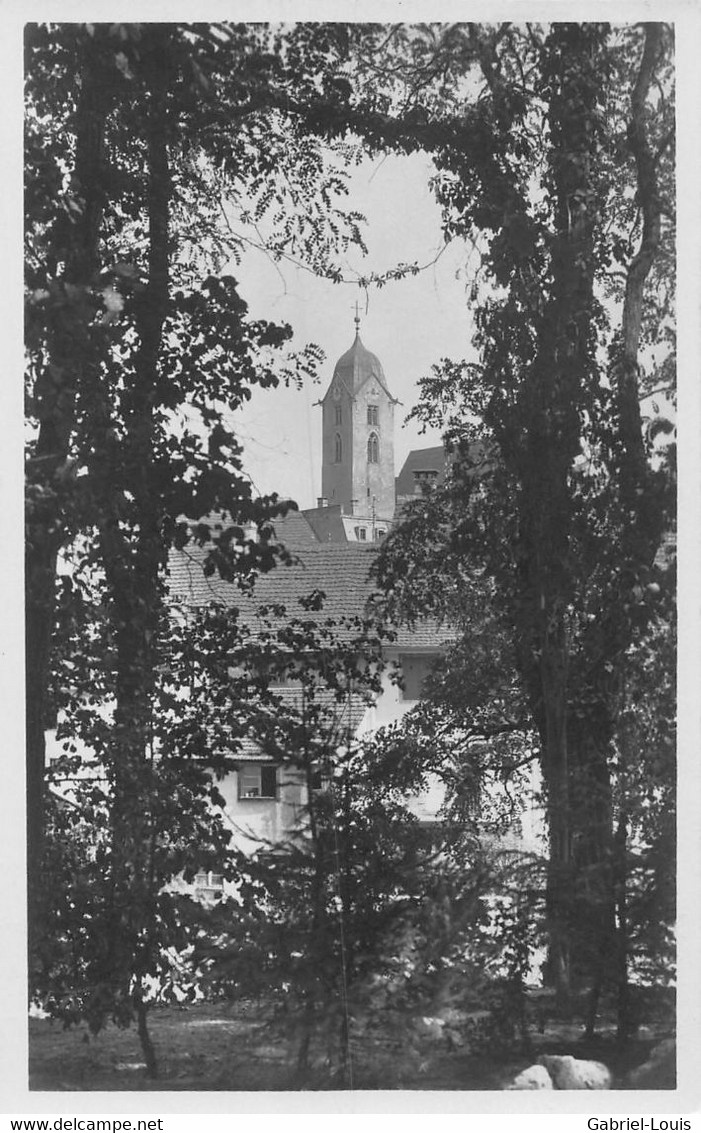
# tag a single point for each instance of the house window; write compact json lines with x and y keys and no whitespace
{"x":208,"y":886}
{"x":415,"y":669}
{"x":373,"y":449}
{"x":373,"y":418}
{"x":258,"y":781}
{"x":338,"y":449}
{"x":381,"y":533}
{"x":338,"y":414}
{"x":320,"y":779}
{"x":361,"y":533}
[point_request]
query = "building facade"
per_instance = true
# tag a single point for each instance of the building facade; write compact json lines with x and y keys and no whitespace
{"x":266,"y":799}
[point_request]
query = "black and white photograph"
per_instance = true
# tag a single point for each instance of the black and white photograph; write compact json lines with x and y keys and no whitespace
{"x":350,"y":557}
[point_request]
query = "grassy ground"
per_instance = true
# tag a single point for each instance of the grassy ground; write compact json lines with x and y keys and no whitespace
{"x":234,"y":1047}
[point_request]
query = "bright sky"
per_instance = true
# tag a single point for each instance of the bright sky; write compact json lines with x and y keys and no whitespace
{"x":409,"y":324}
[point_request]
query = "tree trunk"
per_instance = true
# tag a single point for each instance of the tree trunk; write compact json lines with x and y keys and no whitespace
{"x":70,"y":370}
{"x":548,"y":415}
{"x":311,"y":997}
{"x":624,"y":1023}
{"x":144,"y":1036}
{"x":40,"y":581}
{"x":559,"y":891}
{"x":132,"y":555}
{"x":640,"y":504}
{"x":345,"y":884}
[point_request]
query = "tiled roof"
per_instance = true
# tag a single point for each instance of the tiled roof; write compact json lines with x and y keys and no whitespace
{"x":338,"y":571}
{"x":294,"y":530}
{"x":341,"y":572}
{"x":420,"y":460}
{"x":426,"y":636}
{"x":474,"y":456}
{"x":326,"y":523}
{"x":340,"y":716}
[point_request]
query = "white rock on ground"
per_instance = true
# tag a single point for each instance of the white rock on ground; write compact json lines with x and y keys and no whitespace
{"x":569,"y":1073}
{"x":533,"y":1078}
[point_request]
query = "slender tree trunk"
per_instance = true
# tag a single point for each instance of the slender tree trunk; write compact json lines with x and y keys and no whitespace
{"x":318,"y":917}
{"x":39,"y":613}
{"x":634,"y":468}
{"x":70,"y":369}
{"x":132,"y":556}
{"x":345,"y":881}
{"x":559,"y":892}
{"x":624,"y":1025}
{"x":144,"y":1036}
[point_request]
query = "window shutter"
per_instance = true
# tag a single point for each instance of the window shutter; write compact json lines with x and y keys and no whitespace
{"x":268,"y":782}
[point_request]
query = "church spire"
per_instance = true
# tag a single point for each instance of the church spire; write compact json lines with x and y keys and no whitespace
{"x":358,"y":436}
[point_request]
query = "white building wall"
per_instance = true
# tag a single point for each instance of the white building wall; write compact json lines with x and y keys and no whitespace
{"x":257,"y":821}
{"x":393,"y":704}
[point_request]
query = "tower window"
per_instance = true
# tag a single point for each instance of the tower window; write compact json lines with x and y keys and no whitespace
{"x":338,"y":414}
{"x":338,"y":449}
{"x":373,"y":449}
{"x":373,"y":418}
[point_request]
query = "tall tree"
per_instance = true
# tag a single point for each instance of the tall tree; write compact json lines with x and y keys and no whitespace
{"x":148,"y":146}
{"x":572,"y":512}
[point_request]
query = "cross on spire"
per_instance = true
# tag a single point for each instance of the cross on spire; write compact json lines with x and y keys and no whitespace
{"x":356,"y":320}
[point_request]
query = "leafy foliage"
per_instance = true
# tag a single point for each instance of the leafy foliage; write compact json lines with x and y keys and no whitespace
{"x":554,"y":511}
{"x":146,"y":145}
{"x":359,"y":917}
{"x":155,"y":153}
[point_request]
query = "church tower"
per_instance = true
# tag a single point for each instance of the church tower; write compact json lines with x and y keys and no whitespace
{"x":357,"y":469}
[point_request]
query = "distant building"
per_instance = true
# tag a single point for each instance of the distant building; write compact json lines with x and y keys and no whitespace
{"x":265,"y":800}
{"x":360,"y":495}
{"x":333,"y":549}
{"x":424,"y":468}
{"x":357,"y":464}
